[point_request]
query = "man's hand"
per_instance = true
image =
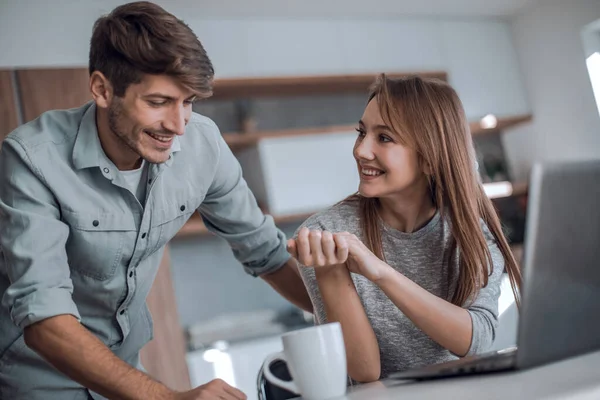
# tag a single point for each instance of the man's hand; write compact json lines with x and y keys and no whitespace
{"x":215,"y":389}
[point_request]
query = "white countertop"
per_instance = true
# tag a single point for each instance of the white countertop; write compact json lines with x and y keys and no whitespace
{"x":575,"y":378}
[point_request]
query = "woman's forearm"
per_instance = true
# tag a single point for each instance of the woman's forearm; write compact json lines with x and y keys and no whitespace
{"x":442,"y":321}
{"x":342,"y":304}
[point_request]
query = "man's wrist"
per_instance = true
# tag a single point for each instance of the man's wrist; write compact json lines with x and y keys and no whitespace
{"x":335,"y":272}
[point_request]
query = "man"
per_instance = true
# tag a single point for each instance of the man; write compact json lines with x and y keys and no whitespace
{"x":88,"y":199}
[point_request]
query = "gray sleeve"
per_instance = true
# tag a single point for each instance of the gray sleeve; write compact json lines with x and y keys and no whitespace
{"x":231,"y":212}
{"x":308,"y":275}
{"x":484,"y":310}
{"x":32,"y":239}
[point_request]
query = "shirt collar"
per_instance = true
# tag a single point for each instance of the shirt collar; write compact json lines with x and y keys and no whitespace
{"x":175,"y":147}
{"x":88,"y":151}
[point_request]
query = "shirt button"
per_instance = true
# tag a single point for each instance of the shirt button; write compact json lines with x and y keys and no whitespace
{"x":182,"y":208}
{"x":149,"y":181}
{"x":144,"y":235}
{"x":122,"y":312}
{"x":105,"y":170}
{"x":131,"y":274}
{"x":95,"y":223}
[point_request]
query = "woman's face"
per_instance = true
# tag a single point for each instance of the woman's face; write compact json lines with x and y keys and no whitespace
{"x":386,"y":167}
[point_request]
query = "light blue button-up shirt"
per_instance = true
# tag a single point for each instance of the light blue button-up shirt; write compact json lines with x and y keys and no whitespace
{"x":75,"y":240}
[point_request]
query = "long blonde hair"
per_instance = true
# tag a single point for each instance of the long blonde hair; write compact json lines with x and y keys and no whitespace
{"x":429,"y":117}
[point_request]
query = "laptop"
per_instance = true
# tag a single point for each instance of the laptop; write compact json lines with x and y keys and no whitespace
{"x":560,"y":310}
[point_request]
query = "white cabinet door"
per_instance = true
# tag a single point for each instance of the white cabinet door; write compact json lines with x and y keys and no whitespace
{"x":301,"y":174}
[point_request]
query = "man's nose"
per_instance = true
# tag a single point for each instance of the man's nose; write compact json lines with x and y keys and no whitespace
{"x":176,"y":121}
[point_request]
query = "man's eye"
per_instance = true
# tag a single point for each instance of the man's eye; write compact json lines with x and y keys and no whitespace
{"x":156,"y":103}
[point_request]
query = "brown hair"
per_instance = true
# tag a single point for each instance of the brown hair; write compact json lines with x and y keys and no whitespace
{"x":142,"y":38}
{"x":429,"y":117}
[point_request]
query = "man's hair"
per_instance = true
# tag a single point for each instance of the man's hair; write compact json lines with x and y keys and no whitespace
{"x":142,"y":38}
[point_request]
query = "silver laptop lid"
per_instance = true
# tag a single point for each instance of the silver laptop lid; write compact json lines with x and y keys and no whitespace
{"x":560,"y":314}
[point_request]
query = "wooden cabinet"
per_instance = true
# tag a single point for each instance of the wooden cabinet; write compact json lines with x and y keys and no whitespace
{"x":164,"y":356}
{"x":48,"y":89}
{"x":8,"y":107}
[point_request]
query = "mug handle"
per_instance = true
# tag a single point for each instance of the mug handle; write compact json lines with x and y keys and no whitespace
{"x":287,"y":385}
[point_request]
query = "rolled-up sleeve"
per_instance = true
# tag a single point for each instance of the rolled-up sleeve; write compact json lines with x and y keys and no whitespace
{"x":484,"y":310}
{"x":230,"y":210}
{"x":32,"y":239}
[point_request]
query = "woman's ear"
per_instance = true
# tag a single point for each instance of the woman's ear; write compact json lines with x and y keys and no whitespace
{"x":101,"y":89}
{"x":426,"y":167}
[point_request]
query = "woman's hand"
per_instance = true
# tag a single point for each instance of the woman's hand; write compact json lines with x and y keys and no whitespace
{"x":314,"y":248}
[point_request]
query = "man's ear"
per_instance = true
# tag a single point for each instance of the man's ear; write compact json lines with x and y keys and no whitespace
{"x":101,"y":88}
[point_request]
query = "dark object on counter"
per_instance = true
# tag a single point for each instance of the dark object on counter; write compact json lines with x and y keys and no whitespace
{"x":268,"y":391}
{"x":512,"y":211}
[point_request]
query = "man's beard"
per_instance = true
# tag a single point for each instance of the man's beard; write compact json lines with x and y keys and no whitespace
{"x":115,"y":113}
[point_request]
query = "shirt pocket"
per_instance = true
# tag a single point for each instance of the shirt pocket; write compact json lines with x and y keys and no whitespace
{"x":98,"y":242}
{"x":168,"y":220}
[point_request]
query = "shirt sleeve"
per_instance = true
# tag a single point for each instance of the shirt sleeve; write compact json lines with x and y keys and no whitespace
{"x":230,"y":211}
{"x":32,"y":240}
{"x":484,"y":310}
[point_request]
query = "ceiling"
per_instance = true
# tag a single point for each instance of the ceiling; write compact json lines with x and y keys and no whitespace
{"x":346,"y":8}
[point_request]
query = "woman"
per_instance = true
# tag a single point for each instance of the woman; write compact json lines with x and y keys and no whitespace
{"x":411,"y":265}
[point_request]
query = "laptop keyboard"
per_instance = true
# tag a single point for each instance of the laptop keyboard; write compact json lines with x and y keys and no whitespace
{"x":495,"y":362}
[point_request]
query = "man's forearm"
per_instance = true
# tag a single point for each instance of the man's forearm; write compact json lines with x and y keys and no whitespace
{"x":77,"y":353}
{"x":288,"y":283}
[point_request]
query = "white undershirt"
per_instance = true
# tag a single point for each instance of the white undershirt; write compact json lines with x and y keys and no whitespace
{"x":136,"y":181}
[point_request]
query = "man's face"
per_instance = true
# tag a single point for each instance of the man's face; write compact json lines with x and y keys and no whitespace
{"x":147,"y":119}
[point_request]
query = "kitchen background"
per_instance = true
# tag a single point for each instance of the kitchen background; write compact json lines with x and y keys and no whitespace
{"x":524,"y":69}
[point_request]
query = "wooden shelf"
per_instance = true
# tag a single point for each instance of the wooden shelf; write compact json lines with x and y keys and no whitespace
{"x":238,"y":141}
{"x":9,"y":118}
{"x":520,"y":188}
{"x":304,"y":85}
{"x":195,"y":226}
{"x":503,"y":123}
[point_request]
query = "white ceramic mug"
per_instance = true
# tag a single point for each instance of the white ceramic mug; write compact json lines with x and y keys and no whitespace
{"x":316,"y":359}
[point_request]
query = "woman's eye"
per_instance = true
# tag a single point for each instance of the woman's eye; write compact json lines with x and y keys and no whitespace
{"x":361,"y":132}
{"x":384,"y":138}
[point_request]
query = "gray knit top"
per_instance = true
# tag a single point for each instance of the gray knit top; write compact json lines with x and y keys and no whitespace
{"x":423,"y":257}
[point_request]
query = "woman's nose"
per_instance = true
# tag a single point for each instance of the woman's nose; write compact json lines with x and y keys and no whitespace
{"x":364,"y":149}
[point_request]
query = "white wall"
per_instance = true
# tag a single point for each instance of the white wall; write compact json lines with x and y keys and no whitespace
{"x":477,"y":53}
{"x":566,"y":124}
{"x":591,"y":38}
